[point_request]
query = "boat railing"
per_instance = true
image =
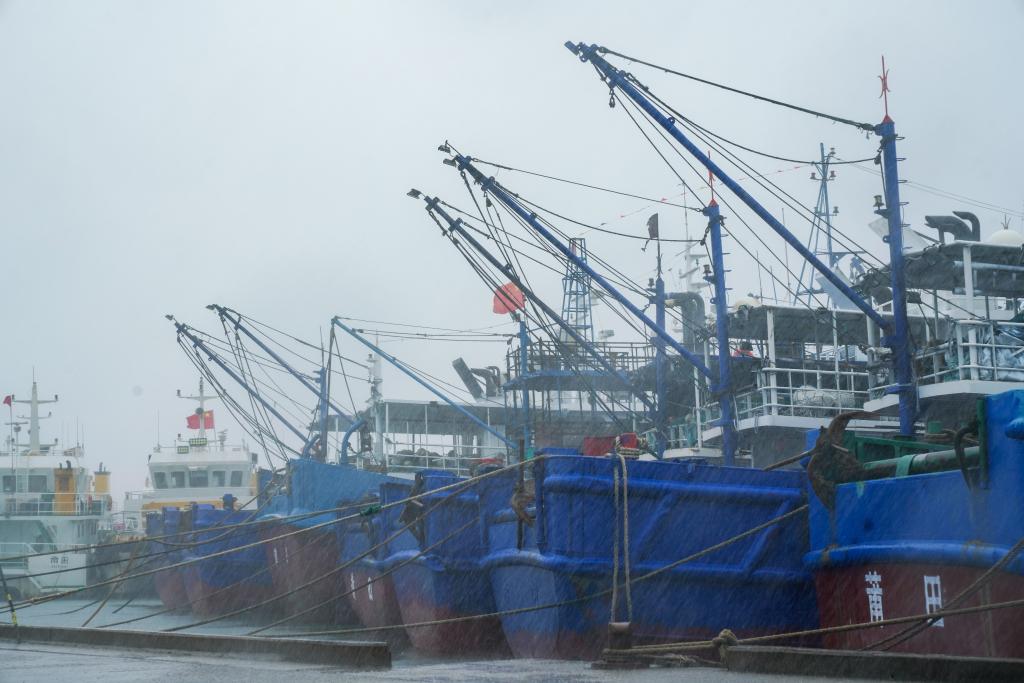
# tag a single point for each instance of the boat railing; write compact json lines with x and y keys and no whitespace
{"x":546,"y":355}
{"x":126,"y":521}
{"x":410,"y":456}
{"x":786,"y":392}
{"x":56,"y":504}
{"x":979,"y":350}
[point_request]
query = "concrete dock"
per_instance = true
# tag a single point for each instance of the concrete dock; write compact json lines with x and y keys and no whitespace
{"x":33,"y":662}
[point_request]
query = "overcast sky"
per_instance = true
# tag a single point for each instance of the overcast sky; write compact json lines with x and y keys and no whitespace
{"x":157,"y":157}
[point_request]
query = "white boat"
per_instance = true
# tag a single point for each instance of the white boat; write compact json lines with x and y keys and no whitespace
{"x":51,"y":502}
{"x":195,"y":469}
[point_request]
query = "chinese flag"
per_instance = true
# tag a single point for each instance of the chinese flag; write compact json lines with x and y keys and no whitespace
{"x":193,"y":420}
{"x":508,"y":298}
{"x":8,"y":399}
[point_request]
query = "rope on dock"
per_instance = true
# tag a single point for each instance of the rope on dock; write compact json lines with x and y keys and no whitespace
{"x":564,"y":603}
{"x":718,"y":641}
{"x":112,"y":589}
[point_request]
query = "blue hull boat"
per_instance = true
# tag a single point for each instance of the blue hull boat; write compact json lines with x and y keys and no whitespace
{"x":305,"y":557}
{"x":370,"y":588}
{"x":565,"y":554}
{"x":229,"y":582}
{"x":447,"y":582}
{"x":908,"y":543}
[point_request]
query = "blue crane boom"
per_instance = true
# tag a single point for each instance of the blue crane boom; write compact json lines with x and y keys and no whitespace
{"x":186,"y":331}
{"x":897,"y":337}
{"x":456,"y":225}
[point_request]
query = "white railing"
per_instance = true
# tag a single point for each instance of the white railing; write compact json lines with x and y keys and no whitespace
{"x":408,"y":456}
{"x":980,"y":350}
{"x":45,"y":504}
{"x":788,"y":392}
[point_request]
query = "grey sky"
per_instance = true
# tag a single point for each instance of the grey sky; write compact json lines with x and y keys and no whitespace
{"x":157,"y":157}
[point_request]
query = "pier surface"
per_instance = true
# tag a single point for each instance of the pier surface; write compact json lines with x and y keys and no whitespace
{"x":89,"y":664}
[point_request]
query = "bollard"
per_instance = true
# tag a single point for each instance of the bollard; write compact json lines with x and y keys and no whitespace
{"x":620,"y":639}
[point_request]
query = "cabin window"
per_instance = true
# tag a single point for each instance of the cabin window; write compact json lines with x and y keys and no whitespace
{"x":9,"y":483}
{"x":219,"y":477}
{"x":37,"y":483}
{"x":160,"y":480}
{"x":198,"y":478}
{"x":236,"y":478}
{"x":177,"y":480}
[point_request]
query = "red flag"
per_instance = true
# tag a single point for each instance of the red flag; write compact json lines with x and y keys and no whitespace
{"x":8,"y":399}
{"x":193,"y":420}
{"x":508,"y":298}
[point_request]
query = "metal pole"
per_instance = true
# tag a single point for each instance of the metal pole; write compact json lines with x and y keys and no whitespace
{"x":660,"y":381}
{"x":899,"y":337}
{"x":617,"y":79}
{"x":10,"y":604}
{"x":490,"y":185}
{"x":524,"y":357}
{"x":323,"y":414}
{"x":723,"y":390}
{"x":394,"y":361}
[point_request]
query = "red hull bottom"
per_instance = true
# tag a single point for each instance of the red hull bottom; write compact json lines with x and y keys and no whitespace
{"x":210,"y":601}
{"x":303,"y":558}
{"x":170,"y":586}
{"x":473,"y":635}
{"x":912,"y":589}
{"x":375,"y":604}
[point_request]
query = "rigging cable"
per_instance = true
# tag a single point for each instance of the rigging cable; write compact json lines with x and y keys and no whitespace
{"x":762,"y":98}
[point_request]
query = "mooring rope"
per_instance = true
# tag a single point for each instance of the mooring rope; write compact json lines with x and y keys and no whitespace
{"x":894,"y":640}
{"x":326,"y":575}
{"x":625,"y":538}
{"x":382,"y":575}
{"x":615,"y":546}
{"x":459,"y":485}
{"x":706,"y":644}
{"x":564,"y":603}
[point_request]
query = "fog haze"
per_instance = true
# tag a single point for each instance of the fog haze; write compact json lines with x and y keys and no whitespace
{"x":159,"y":157}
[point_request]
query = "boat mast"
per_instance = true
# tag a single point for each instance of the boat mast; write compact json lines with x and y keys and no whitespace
{"x":201,"y":397}
{"x":33,"y":403}
{"x":899,"y":337}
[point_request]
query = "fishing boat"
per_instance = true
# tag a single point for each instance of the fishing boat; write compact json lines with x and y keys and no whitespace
{"x":909,"y":527}
{"x":236,"y":580}
{"x":408,"y":437}
{"x":199,"y":468}
{"x":301,"y":546}
{"x":435,"y":566}
{"x":562,"y":551}
{"x":185,"y":493}
{"x":370,"y":588}
{"x":167,"y":530}
{"x":54,"y":507}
